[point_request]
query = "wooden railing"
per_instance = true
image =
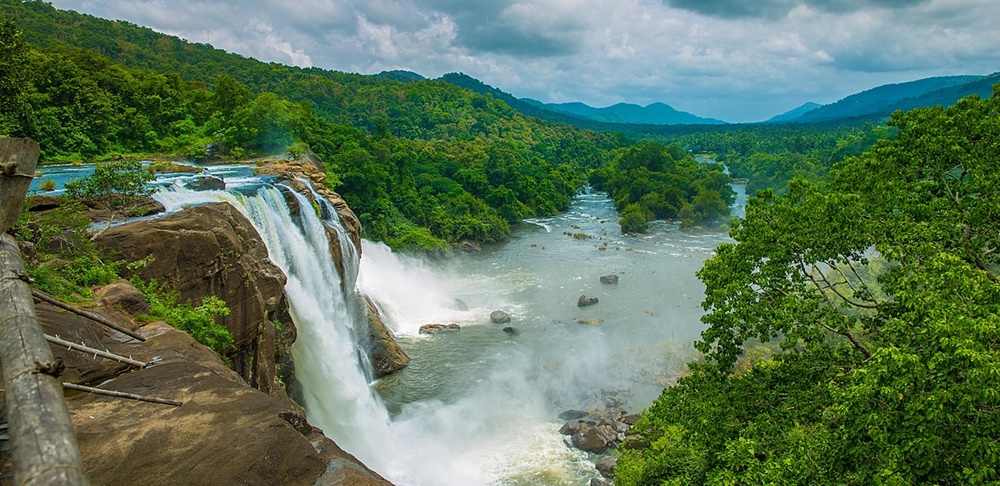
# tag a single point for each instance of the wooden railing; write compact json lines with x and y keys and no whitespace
{"x":43,"y":445}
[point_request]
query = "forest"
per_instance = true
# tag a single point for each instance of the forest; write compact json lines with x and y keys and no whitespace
{"x":425,"y":164}
{"x":852,"y":325}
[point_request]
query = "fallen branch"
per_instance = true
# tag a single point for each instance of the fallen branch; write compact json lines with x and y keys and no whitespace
{"x":42,"y":296}
{"x":97,"y":352}
{"x":112,"y":393}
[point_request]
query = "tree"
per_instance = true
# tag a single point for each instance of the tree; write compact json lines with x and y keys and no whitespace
{"x":880,"y":289}
{"x":12,"y":72}
{"x":117,"y":186}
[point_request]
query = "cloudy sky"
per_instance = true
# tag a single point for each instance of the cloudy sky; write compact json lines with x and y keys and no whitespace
{"x":737,"y":60}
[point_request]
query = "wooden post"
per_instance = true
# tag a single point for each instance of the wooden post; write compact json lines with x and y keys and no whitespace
{"x":18,"y":157}
{"x":43,"y":445}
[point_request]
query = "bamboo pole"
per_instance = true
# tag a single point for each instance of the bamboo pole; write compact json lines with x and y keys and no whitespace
{"x":42,"y":296}
{"x":112,"y":393}
{"x":96,"y":352}
{"x":43,"y":445}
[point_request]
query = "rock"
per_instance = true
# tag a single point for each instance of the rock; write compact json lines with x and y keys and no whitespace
{"x":499,"y":317}
{"x":512,"y":331}
{"x":631,"y":419}
{"x":224,"y":433}
{"x":570,"y":428}
{"x":39,"y":203}
{"x":461,"y":305}
{"x":385,"y":354}
{"x":595,"y":438}
{"x":609,"y":279}
{"x":123,"y":295}
{"x":572,"y":415}
{"x":598,"y":482}
{"x":213,"y":250}
{"x":585,"y":301}
{"x":206,"y":183}
{"x":607,"y":467}
{"x":147,"y":206}
{"x":469,"y":246}
{"x":438,"y":328}
{"x":590,"y":321}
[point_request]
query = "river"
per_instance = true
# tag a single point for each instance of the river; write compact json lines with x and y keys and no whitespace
{"x":480,"y":406}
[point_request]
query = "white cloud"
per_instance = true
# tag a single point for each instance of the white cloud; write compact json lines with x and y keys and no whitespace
{"x":717,"y":58}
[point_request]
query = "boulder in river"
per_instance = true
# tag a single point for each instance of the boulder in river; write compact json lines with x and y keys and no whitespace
{"x":438,"y":328}
{"x":595,"y":438}
{"x":590,"y":321}
{"x":585,"y":301}
{"x":606,"y":467}
{"x":206,"y":183}
{"x":512,"y":331}
{"x":609,"y":279}
{"x":499,"y":317}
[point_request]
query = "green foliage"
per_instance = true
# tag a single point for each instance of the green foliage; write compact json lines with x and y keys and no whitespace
{"x":198,"y":321}
{"x":659,"y":182}
{"x":117,"y":186}
{"x":62,"y":260}
{"x":12,"y":72}
{"x":882,"y":288}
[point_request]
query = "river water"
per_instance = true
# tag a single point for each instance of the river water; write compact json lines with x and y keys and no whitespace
{"x":480,"y":406}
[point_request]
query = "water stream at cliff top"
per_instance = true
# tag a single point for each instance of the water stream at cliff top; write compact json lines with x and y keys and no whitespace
{"x":478,"y":406}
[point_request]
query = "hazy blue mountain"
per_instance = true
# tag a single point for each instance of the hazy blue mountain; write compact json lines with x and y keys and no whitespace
{"x":654,"y":114}
{"x":882,"y":99}
{"x":795,"y":112}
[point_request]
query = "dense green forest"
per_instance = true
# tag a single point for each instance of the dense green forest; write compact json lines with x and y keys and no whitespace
{"x":424,"y":163}
{"x":878,"y":294}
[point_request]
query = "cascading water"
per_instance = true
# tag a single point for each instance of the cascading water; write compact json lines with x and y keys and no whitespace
{"x":479,"y":407}
{"x":329,"y":367}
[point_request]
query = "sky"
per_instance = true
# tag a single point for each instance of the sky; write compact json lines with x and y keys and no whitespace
{"x":735,"y":60}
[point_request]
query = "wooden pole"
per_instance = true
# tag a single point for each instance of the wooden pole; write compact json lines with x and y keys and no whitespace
{"x":96,"y":352}
{"x":18,"y":157}
{"x":42,"y":296}
{"x":112,"y":393}
{"x":43,"y":445}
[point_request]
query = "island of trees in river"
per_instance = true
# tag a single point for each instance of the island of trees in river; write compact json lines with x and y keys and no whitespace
{"x":853,"y":326}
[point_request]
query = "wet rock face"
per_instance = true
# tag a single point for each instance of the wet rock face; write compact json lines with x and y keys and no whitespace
{"x":385,"y":354}
{"x":214,"y":250}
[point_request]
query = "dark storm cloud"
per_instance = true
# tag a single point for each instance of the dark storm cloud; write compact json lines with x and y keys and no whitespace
{"x":779,"y":8}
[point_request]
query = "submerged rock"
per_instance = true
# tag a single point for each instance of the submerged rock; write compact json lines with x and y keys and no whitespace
{"x":499,"y":317}
{"x":512,"y":331}
{"x":439,"y":328}
{"x":609,"y":279}
{"x":590,"y":321}
{"x":585,"y":301}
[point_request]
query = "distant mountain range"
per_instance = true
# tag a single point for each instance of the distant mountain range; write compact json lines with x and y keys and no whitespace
{"x":654,"y":114}
{"x":795,"y":113}
{"x":871,"y":105}
{"x":883,"y":100}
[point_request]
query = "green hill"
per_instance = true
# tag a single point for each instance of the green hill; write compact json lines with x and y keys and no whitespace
{"x":881,"y":100}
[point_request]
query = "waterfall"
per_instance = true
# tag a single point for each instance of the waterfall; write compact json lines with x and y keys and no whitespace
{"x":335,"y":387}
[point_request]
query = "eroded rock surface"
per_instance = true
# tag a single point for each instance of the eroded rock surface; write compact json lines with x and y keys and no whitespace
{"x":213,"y":250}
{"x":224,"y":432}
